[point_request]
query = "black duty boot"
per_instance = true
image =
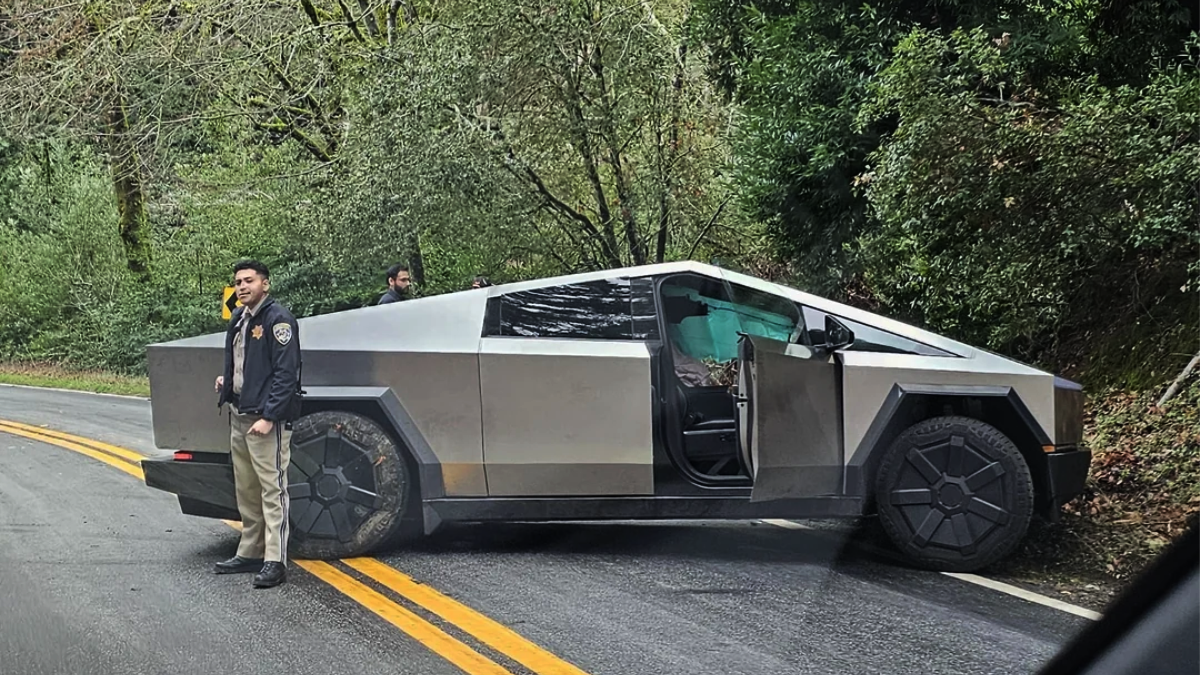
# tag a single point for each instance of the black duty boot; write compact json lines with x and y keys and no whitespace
{"x":238,"y":564}
{"x":272,"y":574}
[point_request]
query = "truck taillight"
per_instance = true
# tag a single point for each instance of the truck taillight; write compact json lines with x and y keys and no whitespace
{"x":181,"y":456}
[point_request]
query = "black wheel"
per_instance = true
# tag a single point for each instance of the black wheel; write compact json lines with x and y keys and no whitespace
{"x":954,"y":494}
{"x":348,"y":483}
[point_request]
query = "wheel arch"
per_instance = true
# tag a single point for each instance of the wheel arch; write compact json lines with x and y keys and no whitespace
{"x":906,"y":405}
{"x":382,"y":406}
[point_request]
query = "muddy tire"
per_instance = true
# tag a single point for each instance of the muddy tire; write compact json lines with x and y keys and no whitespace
{"x":349,"y":486}
{"x":954,"y":494}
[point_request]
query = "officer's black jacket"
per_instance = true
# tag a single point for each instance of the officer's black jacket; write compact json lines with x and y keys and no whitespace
{"x":271,"y":371}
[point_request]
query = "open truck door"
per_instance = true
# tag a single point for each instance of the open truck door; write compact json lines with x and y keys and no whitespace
{"x":789,"y":418}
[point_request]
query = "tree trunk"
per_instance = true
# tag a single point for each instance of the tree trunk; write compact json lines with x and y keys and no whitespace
{"x":311,"y":11}
{"x":368,"y":18}
{"x":416,"y":261}
{"x":616,"y":160}
{"x":351,"y":23}
{"x":133,"y":224}
{"x":583,"y":145}
{"x":667,"y":157}
{"x":393,"y":9}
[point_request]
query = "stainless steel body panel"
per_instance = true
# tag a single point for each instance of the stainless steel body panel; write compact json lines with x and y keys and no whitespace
{"x":566,"y":417}
{"x":795,"y":442}
{"x":869,"y":377}
{"x":182,"y":399}
{"x":449,"y":323}
{"x":425,"y":350}
{"x":1068,"y":412}
{"x":439,"y":391}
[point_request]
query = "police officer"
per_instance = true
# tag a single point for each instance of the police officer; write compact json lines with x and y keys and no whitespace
{"x":262,"y":384}
{"x":398,"y":281}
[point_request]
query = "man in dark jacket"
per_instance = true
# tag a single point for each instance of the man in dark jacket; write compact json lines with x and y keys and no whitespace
{"x":262,"y":384}
{"x":398,"y":281}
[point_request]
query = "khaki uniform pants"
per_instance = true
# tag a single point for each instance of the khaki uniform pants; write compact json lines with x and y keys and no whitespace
{"x":260,"y":469}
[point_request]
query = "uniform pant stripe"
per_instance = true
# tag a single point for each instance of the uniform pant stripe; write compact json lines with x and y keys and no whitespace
{"x":283,"y":495}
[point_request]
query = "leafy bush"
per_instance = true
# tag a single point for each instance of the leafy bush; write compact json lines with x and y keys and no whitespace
{"x":65,"y":293}
{"x":1020,"y":175}
{"x":1006,"y":211}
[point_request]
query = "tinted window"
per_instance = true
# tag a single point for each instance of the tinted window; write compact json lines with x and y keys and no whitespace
{"x":866,"y":338}
{"x":645,"y":314}
{"x":595,"y":310}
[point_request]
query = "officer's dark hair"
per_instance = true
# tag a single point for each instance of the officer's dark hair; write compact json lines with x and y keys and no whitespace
{"x":482,"y":281}
{"x":394,"y":270}
{"x":252,"y":265}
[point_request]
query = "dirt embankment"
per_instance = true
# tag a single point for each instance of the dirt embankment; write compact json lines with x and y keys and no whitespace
{"x":1143,"y":490}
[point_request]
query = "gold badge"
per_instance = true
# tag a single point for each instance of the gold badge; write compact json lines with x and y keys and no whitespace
{"x":257,"y":332}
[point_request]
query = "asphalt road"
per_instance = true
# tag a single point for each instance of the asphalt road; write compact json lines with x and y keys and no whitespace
{"x":100,"y":574}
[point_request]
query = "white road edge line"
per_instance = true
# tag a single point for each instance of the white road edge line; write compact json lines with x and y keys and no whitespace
{"x":74,"y":391}
{"x":1025,"y":595}
{"x":991,"y":584}
{"x":786,"y":524}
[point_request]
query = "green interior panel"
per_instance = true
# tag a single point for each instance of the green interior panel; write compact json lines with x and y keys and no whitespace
{"x":715,"y":335}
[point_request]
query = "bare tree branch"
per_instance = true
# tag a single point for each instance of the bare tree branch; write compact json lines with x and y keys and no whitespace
{"x":393,"y":10}
{"x":311,"y":12}
{"x":368,"y":18}
{"x":582,"y":142}
{"x":351,"y":23}
{"x":712,"y":221}
{"x":558,"y":205}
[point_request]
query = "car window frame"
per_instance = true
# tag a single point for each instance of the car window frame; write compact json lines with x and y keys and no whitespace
{"x":727,"y":286}
{"x":814,"y":327}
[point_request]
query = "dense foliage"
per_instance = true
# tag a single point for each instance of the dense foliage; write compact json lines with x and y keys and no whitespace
{"x":1020,"y":175}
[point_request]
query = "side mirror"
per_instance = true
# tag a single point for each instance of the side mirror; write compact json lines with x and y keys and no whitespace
{"x":836,"y":334}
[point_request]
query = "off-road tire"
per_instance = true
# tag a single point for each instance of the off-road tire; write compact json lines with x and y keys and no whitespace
{"x":954,"y":494}
{"x":349,"y":486}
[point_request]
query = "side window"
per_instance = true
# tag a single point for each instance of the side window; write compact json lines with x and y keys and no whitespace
{"x":866,"y":338}
{"x":704,"y":316}
{"x":593,"y":310}
{"x":766,"y":315}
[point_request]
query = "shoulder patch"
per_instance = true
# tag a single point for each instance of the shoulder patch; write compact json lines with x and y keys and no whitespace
{"x":283,"y":333}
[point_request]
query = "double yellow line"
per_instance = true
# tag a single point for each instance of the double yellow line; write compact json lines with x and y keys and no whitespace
{"x":494,"y":635}
{"x":120,"y":458}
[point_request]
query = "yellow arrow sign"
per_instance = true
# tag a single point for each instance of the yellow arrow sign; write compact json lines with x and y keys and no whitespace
{"x":229,"y":302}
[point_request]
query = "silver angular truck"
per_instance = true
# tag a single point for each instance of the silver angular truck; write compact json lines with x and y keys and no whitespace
{"x":670,"y":391}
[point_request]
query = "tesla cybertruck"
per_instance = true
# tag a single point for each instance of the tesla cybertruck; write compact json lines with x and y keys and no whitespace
{"x":669,"y":391}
